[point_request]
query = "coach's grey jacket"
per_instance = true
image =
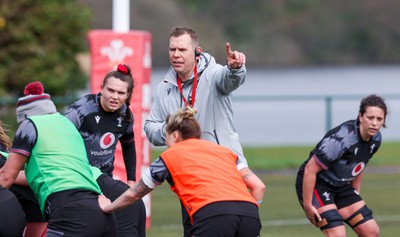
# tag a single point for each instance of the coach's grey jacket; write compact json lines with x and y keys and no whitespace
{"x":213,"y":102}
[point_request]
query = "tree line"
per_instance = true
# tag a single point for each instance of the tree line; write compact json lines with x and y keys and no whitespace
{"x":39,"y":40}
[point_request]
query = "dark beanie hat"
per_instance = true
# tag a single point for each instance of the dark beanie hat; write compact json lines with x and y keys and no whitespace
{"x":35,"y":102}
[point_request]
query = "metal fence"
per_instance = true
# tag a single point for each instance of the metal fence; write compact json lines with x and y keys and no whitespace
{"x":277,"y":120}
{"x":302,"y":120}
{"x":327,"y":99}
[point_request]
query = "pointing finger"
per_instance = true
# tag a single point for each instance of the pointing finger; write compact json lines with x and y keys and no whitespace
{"x":228,"y":49}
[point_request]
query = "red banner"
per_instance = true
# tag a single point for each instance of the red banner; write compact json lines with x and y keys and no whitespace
{"x":108,"y":49}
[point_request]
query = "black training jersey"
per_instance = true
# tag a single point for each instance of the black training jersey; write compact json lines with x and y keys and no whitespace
{"x":101,"y":131}
{"x":343,"y":154}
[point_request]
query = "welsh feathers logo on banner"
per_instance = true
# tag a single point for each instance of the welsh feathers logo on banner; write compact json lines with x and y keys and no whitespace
{"x":116,"y":52}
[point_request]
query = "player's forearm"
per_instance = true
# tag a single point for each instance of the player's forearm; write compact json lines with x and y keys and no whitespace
{"x":129,"y":154}
{"x":256,"y":186}
{"x":6,"y":179}
{"x":21,"y":179}
{"x":309,"y":180}
{"x":128,"y":197}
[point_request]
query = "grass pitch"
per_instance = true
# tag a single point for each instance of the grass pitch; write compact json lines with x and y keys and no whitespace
{"x":281,"y":214}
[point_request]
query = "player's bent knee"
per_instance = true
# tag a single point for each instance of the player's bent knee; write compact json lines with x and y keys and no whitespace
{"x":362,"y":215}
{"x":330,"y":219}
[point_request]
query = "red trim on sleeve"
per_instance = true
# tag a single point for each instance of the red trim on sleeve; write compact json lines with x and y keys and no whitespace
{"x":320,"y":163}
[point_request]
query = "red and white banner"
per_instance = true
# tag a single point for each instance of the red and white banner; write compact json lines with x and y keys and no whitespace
{"x":108,"y":49}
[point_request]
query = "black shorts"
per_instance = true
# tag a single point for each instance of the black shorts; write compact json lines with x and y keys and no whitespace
{"x":28,"y":202}
{"x":325,"y":194}
{"x":77,"y":213}
{"x":228,"y":225}
{"x":131,"y":220}
{"x":227,"y":218}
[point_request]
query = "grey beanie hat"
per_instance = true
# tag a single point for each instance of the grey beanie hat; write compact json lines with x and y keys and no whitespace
{"x":35,"y":102}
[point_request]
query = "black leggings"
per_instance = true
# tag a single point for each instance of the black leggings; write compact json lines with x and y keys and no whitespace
{"x":29,"y":203}
{"x":12,"y":217}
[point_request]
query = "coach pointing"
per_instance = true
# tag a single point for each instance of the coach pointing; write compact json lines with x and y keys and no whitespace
{"x":196,"y":80}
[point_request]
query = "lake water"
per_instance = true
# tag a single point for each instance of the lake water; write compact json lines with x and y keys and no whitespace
{"x":289,"y":106}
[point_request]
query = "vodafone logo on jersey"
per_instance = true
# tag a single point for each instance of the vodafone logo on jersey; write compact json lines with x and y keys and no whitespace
{"x":107,"y":140}
{"x":358,"y":168}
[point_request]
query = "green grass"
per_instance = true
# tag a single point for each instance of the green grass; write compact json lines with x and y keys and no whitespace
{"x":272,"y":158}
{"x":284,"y":157}
{"x":281,"y":214}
